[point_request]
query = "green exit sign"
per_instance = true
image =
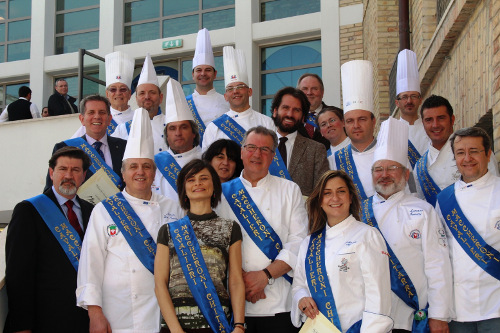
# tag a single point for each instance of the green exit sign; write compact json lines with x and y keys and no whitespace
{"x":172,"y":44}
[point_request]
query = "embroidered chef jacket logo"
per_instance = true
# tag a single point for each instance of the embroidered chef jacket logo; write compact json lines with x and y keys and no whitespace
{"x":170,"y":217}
{"x":416,"y":212}
{"x":349,"y":243}
{"x":112,"y":230}
{"x":415,"y":234}
{"x":497,"y":225}
{"x":343,"y":267}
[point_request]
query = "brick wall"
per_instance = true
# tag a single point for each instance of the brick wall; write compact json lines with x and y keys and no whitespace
{"x":351,"y":42}
{"x":344,"y":3}
{"x":422,"y":24}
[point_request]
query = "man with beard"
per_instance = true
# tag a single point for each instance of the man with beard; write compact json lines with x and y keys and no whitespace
{"x":304,"y":158}
{"x":43,"y":248}
{"x":416,"y":241}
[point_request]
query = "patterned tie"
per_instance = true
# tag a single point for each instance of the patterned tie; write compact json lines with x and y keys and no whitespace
{"x":73,"y":220}
{"x":282,"y":148}
{"x":97,"y":145}
{"x":310,"y":128}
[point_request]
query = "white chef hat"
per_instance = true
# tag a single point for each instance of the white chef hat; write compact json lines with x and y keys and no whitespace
{"x":148,"y":73}
{"x":392,"y":142}
{"x":407,"y":77}
{"x":140,"y":142}
{"x":119,"y":68}
{"x":203,"y":54}
{"x":357,"y":85}
{"x":235,"y":66}
{"x":176,"y":106}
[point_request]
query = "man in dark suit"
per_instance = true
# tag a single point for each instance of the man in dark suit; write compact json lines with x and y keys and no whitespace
{"x":305,"y":158}
{"x":41,"y":269}
{"x":312,"y":85}
{"x":95,"y":115}
{"x":60,"y":102}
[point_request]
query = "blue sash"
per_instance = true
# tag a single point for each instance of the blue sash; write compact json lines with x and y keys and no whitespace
{"x":60,"y":227}
{"x":344,"y":161}
{"x":196,"y":116}
{"x":132,"y":228}
{"x":329,"y":152}
{"x":401,"y":283}
{"x":97,"y":161}
{"x":322,"y":294}
{"x":112,"y":126}
{"x":168,"y":167}
{"x":413,"y":154}
{"x":236,"y":133}
{"x":252,"y":220}
{"x":429,"y":187}
{"x":311,"y":120}
{"x":484,"y":255}
{"x":197,"y":275}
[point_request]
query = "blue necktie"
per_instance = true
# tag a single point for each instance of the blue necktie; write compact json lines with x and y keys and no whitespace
{"x":97,"y":146}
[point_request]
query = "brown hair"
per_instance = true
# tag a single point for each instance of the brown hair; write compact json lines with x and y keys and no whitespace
{"x":72,"y":152}
{"x":190,"y":169}
{"x":317,"y":216}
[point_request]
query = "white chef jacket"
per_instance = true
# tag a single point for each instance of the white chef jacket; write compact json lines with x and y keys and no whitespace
{"x":417,"y":135}
{"x":246,"y":119}
{"x":161,"y":185}
{"x":356,"y":260}
{"x":119,"y":116}
{"x":476,"y":293}
{"x":280,"y":202}
{"x":443,"y":169}
{"x":364,"y":162}
{"x":4,"y":116}
{"x":415,"y":233}
{"x":158,"y":125}
{"x":334,"y":149}
{"x":210,"y":106}
{"x":111,"y":276}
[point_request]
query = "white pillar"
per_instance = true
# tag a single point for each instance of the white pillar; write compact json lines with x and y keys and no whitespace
{"x":330,"y":51}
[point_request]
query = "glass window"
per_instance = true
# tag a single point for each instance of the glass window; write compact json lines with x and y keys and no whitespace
{"x":176,"y":17}
{"x":77,"y":25}
{"x":282,"y":66}
{"x":276,"y":9}
{"x":15,"y":30}
{"x":71,"y":43}
{"x":141,"y":10}
{"x":12,"y":92}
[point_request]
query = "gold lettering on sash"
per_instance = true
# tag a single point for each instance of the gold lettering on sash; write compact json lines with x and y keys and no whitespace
{"x":69,"y":239}
{"x":97,"y":163}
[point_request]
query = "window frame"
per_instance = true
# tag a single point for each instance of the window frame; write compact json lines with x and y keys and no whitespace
{"x":7,"y":42}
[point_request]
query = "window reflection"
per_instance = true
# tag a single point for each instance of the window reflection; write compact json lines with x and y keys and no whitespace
{"x":78,"y":26}
{"x":272,"y":10}
{"x":72,"y":43}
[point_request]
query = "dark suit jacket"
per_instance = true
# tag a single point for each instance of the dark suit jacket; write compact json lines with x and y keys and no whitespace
{"x":40,"y":279}
{"x":307,"y":163}
{"x":116,"y":148}
{"x":58,"y":106}
{"x":317,"y":133}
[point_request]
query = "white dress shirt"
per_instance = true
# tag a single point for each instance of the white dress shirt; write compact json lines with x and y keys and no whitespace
{"x":246,"y":119}
{"x":76,"y":206}
{"x":104,"y":148}
{"x":280,"y":202}
{"x":415,"y":233}
{"x":357,"y":266}
{"x":476,"y":293}
{"x":288,"y":144}
{"x":111,"y":276}
{"x":161,"y":185}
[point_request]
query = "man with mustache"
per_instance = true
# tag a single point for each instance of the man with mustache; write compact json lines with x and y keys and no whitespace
{"x":234,"y":123}
{"x":43,"y":248}
{"x":437,"y":169}
{"x":415,"y":238}
{"x":105,"y":151}
{"x":304,"y":158}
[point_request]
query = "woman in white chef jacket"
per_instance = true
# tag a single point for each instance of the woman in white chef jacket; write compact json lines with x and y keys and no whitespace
{"x":354,"y":291}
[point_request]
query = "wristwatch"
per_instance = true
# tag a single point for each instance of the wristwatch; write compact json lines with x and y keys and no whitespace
{"x":270,"y":279}
{"x":243,"y":325}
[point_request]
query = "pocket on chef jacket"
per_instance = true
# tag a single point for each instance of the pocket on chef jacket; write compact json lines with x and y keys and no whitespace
{"x":494,"y":221}
{"x":346,"y":264}
{"x":413,"y":229}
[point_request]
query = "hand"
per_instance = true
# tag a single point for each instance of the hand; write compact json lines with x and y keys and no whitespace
{"x":98,"y":322}
{"x":308,"y":306}
{"x":255,"y":282}
{"x":238,"y":329}
{"x":438,"y":326}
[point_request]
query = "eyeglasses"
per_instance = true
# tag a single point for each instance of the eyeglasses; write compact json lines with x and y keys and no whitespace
{"x":236,"y":88}
{"x":405,"y":97}
{"x":390,"y":168}
{"x":114,"y":90}
{"x":330,"y":121}
{"x":253,"y":148}
{"x":472,"y":153}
